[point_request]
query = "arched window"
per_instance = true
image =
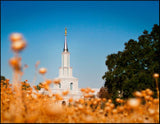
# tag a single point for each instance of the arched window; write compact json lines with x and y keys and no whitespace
{"x":71,"y":86}
{"x":59,"y":85}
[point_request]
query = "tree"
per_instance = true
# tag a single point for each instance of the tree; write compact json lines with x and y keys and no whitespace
{"x":133,"y":68}
{"x":103,"y":93}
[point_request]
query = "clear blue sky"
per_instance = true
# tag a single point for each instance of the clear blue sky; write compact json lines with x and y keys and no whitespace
{"x":95,"y":30}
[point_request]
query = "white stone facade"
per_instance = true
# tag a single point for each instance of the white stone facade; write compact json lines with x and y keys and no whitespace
{"x":67,"y":81}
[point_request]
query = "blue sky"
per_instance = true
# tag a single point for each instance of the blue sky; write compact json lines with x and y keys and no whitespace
{"x":95,"y":30}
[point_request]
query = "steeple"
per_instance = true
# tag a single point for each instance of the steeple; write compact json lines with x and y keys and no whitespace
{"x":65,"y":43}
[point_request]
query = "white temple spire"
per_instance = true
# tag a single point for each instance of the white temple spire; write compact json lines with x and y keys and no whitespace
{"x":67,"y":81}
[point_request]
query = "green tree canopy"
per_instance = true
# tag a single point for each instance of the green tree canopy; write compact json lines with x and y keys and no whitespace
{"x":133,"y":68}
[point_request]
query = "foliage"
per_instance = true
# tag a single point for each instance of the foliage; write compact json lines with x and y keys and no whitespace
{"x":25,"y":85}
{"x":3,"y":78}
{"x":39,"y":86}
{"x":4,"y":81}
{"x":132,"y":68}
{"x":103,"y":93}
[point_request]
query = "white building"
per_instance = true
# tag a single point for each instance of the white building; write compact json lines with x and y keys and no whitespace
{"x":67,"y":81}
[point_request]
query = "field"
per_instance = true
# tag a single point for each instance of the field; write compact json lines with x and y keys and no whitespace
{"x":25,"y":108}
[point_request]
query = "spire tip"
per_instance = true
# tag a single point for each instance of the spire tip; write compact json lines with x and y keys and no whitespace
{"x":65,"y":31}
{"x":65,"y":43}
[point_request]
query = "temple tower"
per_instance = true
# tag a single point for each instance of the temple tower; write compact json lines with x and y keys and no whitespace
{"x":68,"y":82}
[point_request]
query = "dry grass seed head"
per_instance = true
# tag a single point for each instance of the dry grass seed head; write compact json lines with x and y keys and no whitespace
{"x":156,"y":75}
{"x":133,"y":102}
{"x":42,"y":70}
{"x":15,"y":37}
{"x":56,"y":81}
{"x":137,"y":94}
{"x":18,"y":46}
